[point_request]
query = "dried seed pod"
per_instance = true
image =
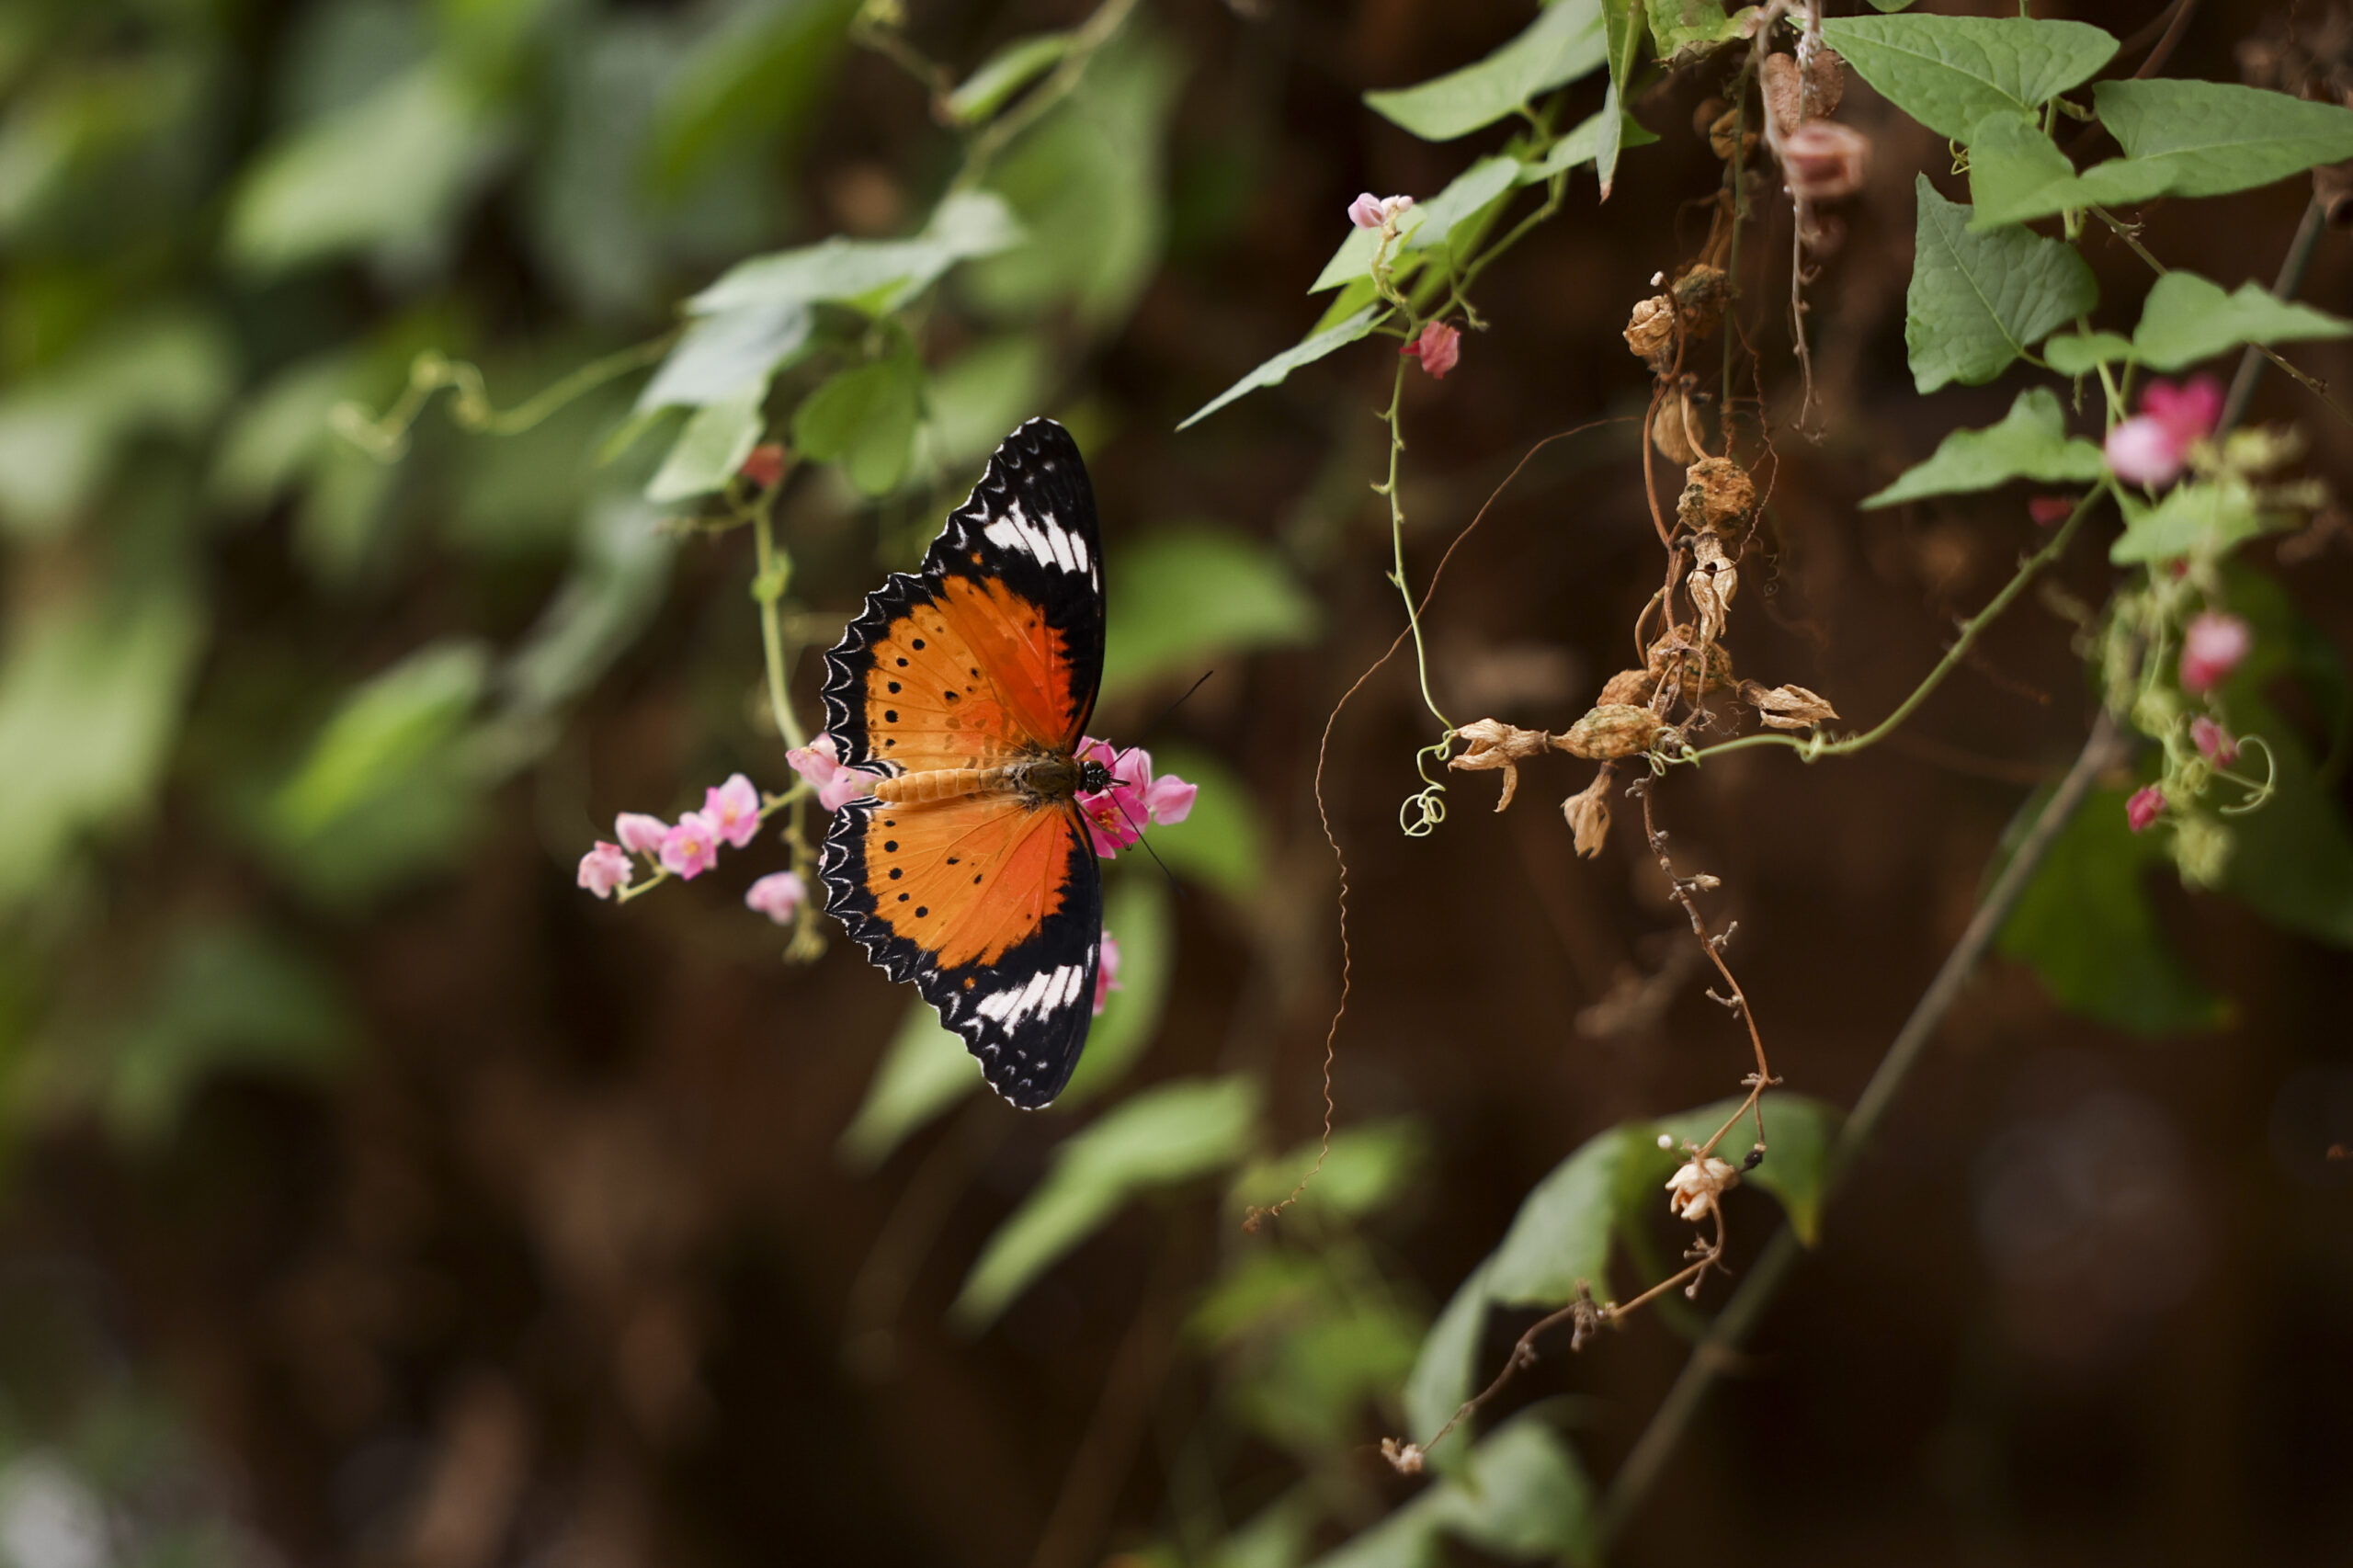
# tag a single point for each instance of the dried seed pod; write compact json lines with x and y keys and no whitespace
{"x":1677,"y":653}
{"x":1787,"y":707}
{"x":1588,"y":814}
{"x":1700,"y":293}
{"x":1825,"y":160}
{"x":1495,"y":743}
{"x":1800,"y":96}
{"x":1675,"y":429}
{"x":1720,"y":136}
{"x":1650,"y":333}
{"x":1717,"y":493}
{"x":1784,"y":98}
{"x":1824,"y":83}
{"x":1628,"y":688}
{"x":1619,"y":730}
{"x":1712,"y":585}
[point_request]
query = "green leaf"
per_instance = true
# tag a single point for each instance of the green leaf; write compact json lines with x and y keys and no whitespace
{"x":1441,"y":1380}
{"x":972,"y":401}
{"x":1950,"y":73}
{"x":1179,"y":596}
{"x":1330,"y":340}
{"x":711,"y":446}
{"x":2205,"y":519}
{"x":1682,"y":29}
{"x":1426,"y":224}
{"x":2084,"y":926}
{"x":2013,"y":166}
{"x":720,"y":355}
{"x":1563,"y":43}
{"x":1135,"y":912}
{"x":2032,"y":442}
{"x":382,"y":733}
{"x":387,"y":174}
{"x":1169,"y":1134}
{"x":620,"y":571}
{"x":925,"y":1069}
{"x":1799,"y":1131}
{"x":1622,"y":31}
{"x":231,"y":999}
{"x":1368,"y":1168}
{"x":1005,"y":72}
{"x":1353,"y":260}
{"x":1977,"y":302}
{"x":882,"y":275}
{"x":2080,"y":353}
{"x":1221,"y":841}
{"x":746,"y":84}
{"x":1587,"y":142}
{"x":2187,"y":319}
{"x":92,"y":689}
{"x":864,"y":417}
{"x":1522,"y":1495}
{"x":2207,"y":138}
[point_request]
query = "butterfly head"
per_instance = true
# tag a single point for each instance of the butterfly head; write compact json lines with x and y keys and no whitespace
{"x":1094,"y":778}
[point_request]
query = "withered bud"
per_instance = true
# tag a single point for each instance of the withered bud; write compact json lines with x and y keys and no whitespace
{"x":1799,"y":98}
{"x":1650,"y":333}
{"x":1825,"y":160}
{"x":1787,"y":707}
{"x":1677,"y":651}
{"x":1619,"y":730}
{"x":1712,"y":585}
{"x":1675,"y":429}
{"x":1405,"y":1458}
{"x":1628,"y":688}
{"x":1495,"y":743}
{"x":1720,"y":136}
{"x":1700,"y":293}
{"x":1717,"y":493}
{"x":1588,"y":814}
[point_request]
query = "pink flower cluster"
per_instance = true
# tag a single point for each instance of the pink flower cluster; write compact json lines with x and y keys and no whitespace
{"x":1438,"y":347}
{"x":686,"y":849}
{"x":1371,"y":211}
{"x":820,"y":763}
{"x":2211,"y":647}
{"x":2151,"y":448}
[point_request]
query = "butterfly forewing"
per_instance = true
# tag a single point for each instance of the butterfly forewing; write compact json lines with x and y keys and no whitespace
{"x":992,"y":903}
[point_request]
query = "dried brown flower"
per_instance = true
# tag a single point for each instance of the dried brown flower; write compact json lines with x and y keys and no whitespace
{"x":1588,"y":814}
{"x":1675,"y":429}
{"x":1717,"y":493}
{"x":1787,"y":707}
{"x":1825,"y":160}
{"x":1619,"y":730}
{"x":1628,"y":687}
{"x":1700,"y":292}
{"x":1495,"y":743}
{"x":1720,"y":136}
{"x":1650,"y":333}
{"x":1712,"y":585}
{"x":1693,"y":1187}
{"x":1676,"y":651}
{"x":1403,"y":1458}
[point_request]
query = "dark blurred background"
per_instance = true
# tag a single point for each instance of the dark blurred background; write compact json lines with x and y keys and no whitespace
{"x":370,"y":1194}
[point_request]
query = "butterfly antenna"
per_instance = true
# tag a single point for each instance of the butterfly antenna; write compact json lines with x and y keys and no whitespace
{"x":1180,"y":702}
{"x":1146,"y":841}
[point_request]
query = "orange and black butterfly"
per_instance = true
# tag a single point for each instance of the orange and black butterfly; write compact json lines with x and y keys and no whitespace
{"x":966,"y":689}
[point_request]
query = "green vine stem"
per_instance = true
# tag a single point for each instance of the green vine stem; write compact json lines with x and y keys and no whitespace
{"x":385,"y":436}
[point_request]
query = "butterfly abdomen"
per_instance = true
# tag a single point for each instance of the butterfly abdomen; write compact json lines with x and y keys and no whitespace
{"x":1055,"y":777}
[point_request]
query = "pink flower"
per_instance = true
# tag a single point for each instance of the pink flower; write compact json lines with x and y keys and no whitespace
{"x":692,"y":848}
{"x":777,"y":895}
{"x":2048,"y":511}
{"x":1116,"y":817}
{"x":2151,"y":447}
{"x":2215,"y":743}
{"x":603,"y":868}
{"x":1438,"y":349}
{"x":2211,"y":647}
{"x":639,"y":834}
{"x":764,"y":465}
{"x":2147,"y":804}
{"x":820,"y":763}
{"x":1371,"y":211}
{"x":1107,"y":972}
{"x":733,"y":810}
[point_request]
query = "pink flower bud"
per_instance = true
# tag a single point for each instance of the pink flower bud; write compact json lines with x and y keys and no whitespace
{"x":2211,"y":647}
{"x":733,"y":810}
{"x":2190,"y":410}
{"x":1107,"y":972}
{"x":2143,"y":449}
{"x":1438,"y":347}
{"x":2050,"y":511}
{"x":820,"y":764}
{"x":691,"y":848}
{"x":1365,"y":211}
{"x":764,"y":464}
{"x":603,"y":868}
{"x":639,"y":834}
{"x":2215,"y":743}
{"x":2147,"y":804}
{"x":777,"y":895}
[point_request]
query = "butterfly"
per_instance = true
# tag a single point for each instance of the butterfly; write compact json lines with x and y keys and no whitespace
{"x":965,"y":688}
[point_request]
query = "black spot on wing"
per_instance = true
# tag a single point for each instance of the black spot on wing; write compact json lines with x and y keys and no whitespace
{"x":841,"y":866}
{"x":849,"y":662}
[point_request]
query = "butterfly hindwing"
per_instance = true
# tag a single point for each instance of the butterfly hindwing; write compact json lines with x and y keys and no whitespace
{"x":992,"y":904}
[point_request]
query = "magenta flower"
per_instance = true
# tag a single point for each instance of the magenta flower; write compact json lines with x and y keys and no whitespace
{"x":639,"y":834}
{"x":1117,"y":817}
{"x":777,"y":895}
{"x":820,"y":763}
{"x":2211,"y":647}
{"x":2151,"y":448}
{"x":2147,"y":804}
{"x":1107,"y":972}
{"x":692,"y":848}
{"x":733,"y":810}
{"x":2215,"y":743}
{"x":605,"y":867}
{"x":2048,"y":511}
{"x":1438,"y":349}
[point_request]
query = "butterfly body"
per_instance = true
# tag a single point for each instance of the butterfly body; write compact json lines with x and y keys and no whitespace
{"x":965,"y":688}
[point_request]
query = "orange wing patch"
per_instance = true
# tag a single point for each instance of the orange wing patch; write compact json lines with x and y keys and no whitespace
{"x":974,"y":677}
{"x":967,"y":878}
